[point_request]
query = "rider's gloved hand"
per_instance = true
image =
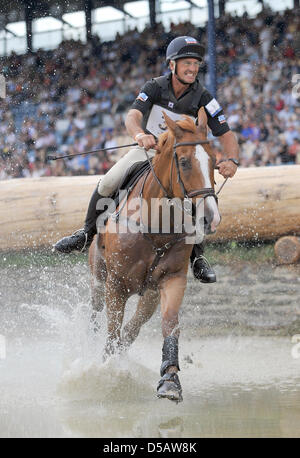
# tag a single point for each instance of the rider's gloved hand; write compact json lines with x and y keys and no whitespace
{"x":146,"y":141}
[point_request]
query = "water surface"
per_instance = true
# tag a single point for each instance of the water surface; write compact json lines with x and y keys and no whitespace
{"x":238,"y":374}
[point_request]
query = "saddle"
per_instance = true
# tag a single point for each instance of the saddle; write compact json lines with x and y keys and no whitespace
{"x":129,"y":180}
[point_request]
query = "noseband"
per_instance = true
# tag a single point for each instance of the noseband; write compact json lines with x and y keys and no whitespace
{"x":204,"y":192}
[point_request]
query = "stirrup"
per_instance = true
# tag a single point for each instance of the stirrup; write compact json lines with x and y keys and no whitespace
{"x":201,"y":257}
{"x":205,"y":274}
{"x":86,"y":240}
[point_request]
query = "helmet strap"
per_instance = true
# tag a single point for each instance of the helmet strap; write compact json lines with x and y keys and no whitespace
{"x":174,"y":72}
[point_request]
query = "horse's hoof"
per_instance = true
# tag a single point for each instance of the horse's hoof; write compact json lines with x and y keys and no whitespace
{"x":169,"y":387}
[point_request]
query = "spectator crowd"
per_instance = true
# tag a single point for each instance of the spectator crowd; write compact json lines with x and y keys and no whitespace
{"x":74,"y":98}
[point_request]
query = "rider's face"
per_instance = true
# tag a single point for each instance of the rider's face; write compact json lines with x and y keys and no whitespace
{"x":187,"y":69}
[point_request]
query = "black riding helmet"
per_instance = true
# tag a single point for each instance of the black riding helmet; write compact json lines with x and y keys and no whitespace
{"x":184,"y":47}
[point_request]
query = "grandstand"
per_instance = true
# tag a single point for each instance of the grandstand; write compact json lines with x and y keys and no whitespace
{"x":68,"y":89}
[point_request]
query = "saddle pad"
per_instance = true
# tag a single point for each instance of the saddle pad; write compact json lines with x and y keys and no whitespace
{"x":131,"y":177}
{"x":133,"y":174}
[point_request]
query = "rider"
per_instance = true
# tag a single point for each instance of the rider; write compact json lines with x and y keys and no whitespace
{"x":177,"y":93}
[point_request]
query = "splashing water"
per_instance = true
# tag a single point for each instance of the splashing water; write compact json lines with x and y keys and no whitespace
{"x":53,"y":382}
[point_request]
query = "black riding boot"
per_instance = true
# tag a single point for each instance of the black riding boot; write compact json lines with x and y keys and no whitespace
{"x":201,"y":269}
{"x":82,"y":238}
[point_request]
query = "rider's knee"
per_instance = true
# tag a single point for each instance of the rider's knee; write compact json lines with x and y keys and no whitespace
{"x":105,"y":189}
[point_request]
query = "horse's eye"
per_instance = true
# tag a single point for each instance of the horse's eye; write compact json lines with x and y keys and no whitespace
{"x":185,"y":163}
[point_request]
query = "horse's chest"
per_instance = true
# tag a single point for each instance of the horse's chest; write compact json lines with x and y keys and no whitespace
{"x":137,"y":267}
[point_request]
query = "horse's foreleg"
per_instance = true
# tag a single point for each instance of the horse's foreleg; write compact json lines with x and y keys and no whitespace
{"x":115,"y":305}
{"x":145,"y":309}
{"x":172,"y":293}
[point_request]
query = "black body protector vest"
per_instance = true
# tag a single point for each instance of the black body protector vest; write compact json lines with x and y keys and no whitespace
{"x":187,"y":104}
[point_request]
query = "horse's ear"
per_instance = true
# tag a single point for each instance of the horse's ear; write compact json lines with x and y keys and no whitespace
{"x":170,"y":123}
{"x":175,"y":129}
{"x":202,"y":123}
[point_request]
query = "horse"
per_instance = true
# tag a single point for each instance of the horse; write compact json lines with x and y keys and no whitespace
{"x":155,"y":264}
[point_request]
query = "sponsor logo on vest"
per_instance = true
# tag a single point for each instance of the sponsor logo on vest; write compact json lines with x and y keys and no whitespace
{"x":142,"y":96}
{"x":213,"y":107}
{"x":221,"y":119}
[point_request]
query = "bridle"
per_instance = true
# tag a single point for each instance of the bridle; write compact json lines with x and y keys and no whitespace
{"x":187,"y":196}
{"x":204,"y":192}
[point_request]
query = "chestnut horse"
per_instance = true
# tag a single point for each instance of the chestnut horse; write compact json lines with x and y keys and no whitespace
{"x":154,"y":264}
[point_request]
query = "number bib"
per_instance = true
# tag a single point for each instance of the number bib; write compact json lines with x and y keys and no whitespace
{"x":156,"y":124}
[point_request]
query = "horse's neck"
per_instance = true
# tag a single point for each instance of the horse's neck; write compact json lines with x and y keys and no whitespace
{"x":154,"y":194}
{"x":162,"y":170}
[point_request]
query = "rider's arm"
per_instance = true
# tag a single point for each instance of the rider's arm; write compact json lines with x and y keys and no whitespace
{"x":139,"y":108}
{"x":215,"y":116}
{"x":217,"y":123}
{"x":133,"y":123}
{"x":231,"y":150}
{"x":230,"y":145}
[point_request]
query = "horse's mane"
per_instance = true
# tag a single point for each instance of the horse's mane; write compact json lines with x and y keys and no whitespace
{"x":166,"y":139}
